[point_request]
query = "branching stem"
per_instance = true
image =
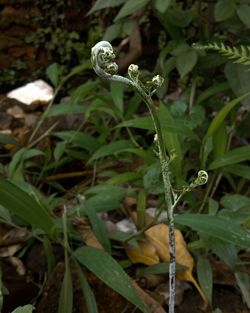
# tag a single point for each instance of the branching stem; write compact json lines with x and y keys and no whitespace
{"x":102,"y":58}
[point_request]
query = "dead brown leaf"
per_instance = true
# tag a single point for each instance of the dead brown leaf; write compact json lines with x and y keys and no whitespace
{"x":158,"y":235}
{"x":86,"y":233}
{"x":152,"y":305}
{"x":145,"y":253}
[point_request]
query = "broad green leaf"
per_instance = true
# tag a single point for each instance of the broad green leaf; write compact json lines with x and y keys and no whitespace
{"x":226,"y":251}
{"x":66,"y":108}
{"x":221,"y":115}
{"x":5,"y":139}
{"x":238,"y":77}
{"x":243,"y":281}
{"x":234,"y":156}
{"x":205,"y":277}
{"x":160,"y":268}
{"x":117,"y":95}
{"x":24,"y":309}
{"x":176,"y":16}
{"x":243,"y":11}
{"x":172,"y":142}
{"x":161,"y":5}
{"x":220,"y":141}
{"x":112,"y":32}
{"x":106,"y":188}
{"x":20,"y":156}
{"x":216,"y":226}
{"x":110,"y":272}
{"x":213,"y":206}
{"x":87,"y":292}
{"x":112,"y":148}
{"x":234,"y":202}
{"x":19,"y":202}
{"x":152,"y":180}
{"x":130,"y":7}
{"x":101,"y":202}
{"x":186,"y":61}
{"x":80,"y":139}
{"x":224,"y":9}
{"x":52,"y":73}
{"x":174,"y":127}
{"x":103,"y":4}
{"x":218,"y":87}
{"x":98,"y":228}
{"x":124,"y":178}
{"x":239,"y":170}
{"x":59,"y":151}
{"x":66,"y":292}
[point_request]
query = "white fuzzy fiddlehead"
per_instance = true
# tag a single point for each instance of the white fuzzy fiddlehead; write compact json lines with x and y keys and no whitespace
{"x":102,"y":58}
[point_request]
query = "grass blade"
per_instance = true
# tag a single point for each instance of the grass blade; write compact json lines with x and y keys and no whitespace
{"x":110,"y":272}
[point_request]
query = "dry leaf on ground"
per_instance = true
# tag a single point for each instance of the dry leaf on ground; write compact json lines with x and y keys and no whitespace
{"x":158,"y":235}
{"x":86,"y":233}
{"x":145,"y":253}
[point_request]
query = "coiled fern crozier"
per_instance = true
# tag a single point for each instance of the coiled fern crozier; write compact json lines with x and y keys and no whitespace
{"x":239,"y":55}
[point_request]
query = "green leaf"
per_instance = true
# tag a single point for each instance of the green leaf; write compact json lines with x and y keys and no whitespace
{"x":20,"y":156}
{"x":66,"y":108}
{"x":239,"y":170}
{"x":243,"y":281}
{"x":220,"y":141}
{"x":130,"y":7}
{"x":235,"y":202}
{"x":124,"y":178}
{"x":172,"y":142}
{"x":238,"y":77}
{"x":160,"y":268}
{"x":236,"y":155}
{"x":215,"y":226}
{"x":162,"y":6}
{"x":222,"y":114}
{"x":112,"y":148}
{"x":224,"y":9}
{"x":117,"y":95}
{"x":205,"y":277}
{"x":103,"y":4}
{"x":80,"y":139}
{"x":243,"y":11}
{"x":66,"y":292}
{"x":177,"y":17}
{"x":24,"y":309}
{"x":152,"y":180}
{"x":110,"y":272}
{"x":20,"y":203}
{"x":98,"y":228}
{"x":174,"y":126}
{"x":227,"y":252}
{"x":87,"y":292}
{"x":52,"y":73}
{"x":101,"y":202}
{"x":5,"y":139}
{"x":186,"y":61}
{"x":218,"y":87}
{"x":112,"y":32}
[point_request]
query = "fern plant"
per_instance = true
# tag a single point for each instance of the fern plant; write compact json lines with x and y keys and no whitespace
{"x":240,"y":55}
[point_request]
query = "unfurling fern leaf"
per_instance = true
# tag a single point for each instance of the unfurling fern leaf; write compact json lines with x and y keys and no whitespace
{"x":240,"y":55}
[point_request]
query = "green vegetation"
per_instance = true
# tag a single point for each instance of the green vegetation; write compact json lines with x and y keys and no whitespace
{"x":201,"y":117}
